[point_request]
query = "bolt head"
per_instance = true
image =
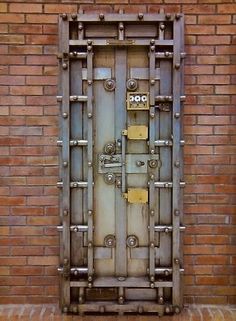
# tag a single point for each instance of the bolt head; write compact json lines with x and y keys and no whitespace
{"x":65,"y":212}
{"x":152,"y":151}
{"x":176,"y":212}
{"x":152,"y":42}
{"x":177,"y":66}
{"x":152,"y":48}
{"x":74,"y":16}
{"x":152,"y":82}
{"x":64,"y":65}
{"x":89,"y":48}
{"x":89,"y":82}
{"x":64,"y":16}
{"x":166,"y":53}
{"x":168,"y":16}
{"x":166,"y":230}
{"x":162,"y":26}
{"x":65,"y":164}
{"x":64,"y":115}
{"x":177,"y":115}
{"x":152,"y":285}
{"x":140,"y":16}
{"x":89,"y":115}
{"x":161,"y":300}
{"x":80,"y":26}
{"x":101,"y":16}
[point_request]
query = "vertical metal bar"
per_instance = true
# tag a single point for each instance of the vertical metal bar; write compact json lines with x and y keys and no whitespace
{"x":120,"y":123}
{"x":176,"y":160}
{"x":90,"y":158}
{"x":65,"y":79}
{"x":151,"y":171}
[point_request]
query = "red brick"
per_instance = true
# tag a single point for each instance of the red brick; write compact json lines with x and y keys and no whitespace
{"x":41,"y":18}
{"x":211,"y":259}
{"x":37,"y":260}
{"x":7,"y":17}
{"x":213,"y":60}
{"x":214,"y":19}
{"x":212,"y":280}
{"x":213,"y":79}
{"x":229,"y":89}
{"x":12,"y":80}
{"x":26,"y":90}
{"x":25,"y":28}
{"x":214,"y":99}
{"x":40,"y":80}
{"x":60,"y":8}
{"x":201,"y":8}
{"x":40,"y":40}
{"x":213,"y":40}
{"x":200,"y":29}
{"x":24,"y":7}
{"x":41,"y":60}
{"x":226,"y":8}
{"x":27,"y":50}
{"x":26,"y":70}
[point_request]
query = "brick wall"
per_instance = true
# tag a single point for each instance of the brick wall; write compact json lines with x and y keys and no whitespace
{"x":28,"y":155}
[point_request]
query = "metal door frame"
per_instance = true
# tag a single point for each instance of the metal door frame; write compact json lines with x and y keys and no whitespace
{"x":71,"y":35}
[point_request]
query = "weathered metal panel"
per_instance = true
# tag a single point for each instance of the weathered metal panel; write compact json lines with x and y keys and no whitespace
{"x":121,"y":162}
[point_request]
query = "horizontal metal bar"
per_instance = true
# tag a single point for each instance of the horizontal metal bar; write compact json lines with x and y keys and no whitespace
{"x":78,"y":98}
{"x":74,"y":228}
{"x":74,"y":270}
{"x":166,"y":228}
{"x":136,"y":42}
{"x":73,"y":184}
{"x":165,"y":54}
{"x":115,"y":17}
{"x":163,"y":142}
{"x":79,"y":142}
{"x":167,"y":184}
{"x":168,"y":98}
{"x":132,"y":282}
{"x":166,"y":271}
{"x":78,"y":55}
{"x":79,"y":184}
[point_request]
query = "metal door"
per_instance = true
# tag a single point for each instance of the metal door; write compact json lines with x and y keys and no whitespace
{"x":121,"y":164}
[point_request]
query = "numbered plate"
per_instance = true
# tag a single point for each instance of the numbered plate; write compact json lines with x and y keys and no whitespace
{"x":138,"y":101}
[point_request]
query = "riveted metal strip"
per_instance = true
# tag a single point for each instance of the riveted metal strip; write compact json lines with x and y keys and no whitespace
{"x":90,"y":158}
{"x":176,"y":159}
{"x":65,"y":171}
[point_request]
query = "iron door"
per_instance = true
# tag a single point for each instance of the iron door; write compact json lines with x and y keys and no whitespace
{"x":121,"y":164}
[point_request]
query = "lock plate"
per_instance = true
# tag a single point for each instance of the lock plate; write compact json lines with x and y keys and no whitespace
{"x":138,"y":101}
{"x":139,"y":132}
{"x":137,"y":195}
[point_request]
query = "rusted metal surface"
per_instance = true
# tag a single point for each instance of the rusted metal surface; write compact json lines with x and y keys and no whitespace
{"x":121,"y":179}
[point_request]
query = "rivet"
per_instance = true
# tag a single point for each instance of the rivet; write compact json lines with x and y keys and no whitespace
{"x":152,"y":48}
{"x":140,"y":310}
{"x":166,"y":230}
{"x":80,"y":26}
{"x":148,"y":270}
{"x":177,"y":115}
{"x":65,"y":261}
{"x":152,"y":151}
{"x":65,"y":164}
{"x":90,"y":212}
{"x":166,"y":272}
{"x":162,"y":26}
{"x":90,"y":285}
{"x":75,"y":98}
{"x":101,"y":16}
{"x":177,"y":66}
{"x":76,"y":272}
{"x":161,"y":300}
{"x":177,"y":164}
{"x":74,"y":16}
{"x":89,"y":164}
{"x":152,"y":176}
{"x":177,"y":309}
{"x":65,"y":212}
{"x":76,"y":229}
{"x":89,"y":82}
{"x":81,"y":300}
{"x":152,"y":115}
{"x":89,"y":42}
{"x":176,"y":260}
{"x":152,"y":81}
{"x":89,"y":48}
{"x":64,"y":65}
{"x":152,"y":245}
{"x":74,"y":53}
{"x":152,"y":285}
{"x":167,"y":309}
{"x":75,"y":184}
{"x":65,"y":309}
{"x":64,"y":16}
{"x":121,"y":300}
{"x":89,"y":115}
{"x":90,"y":244}
{"x":140,"y":16}
{"x":168,"y":16}
{"x":152,"y":278}
{"x":183,"y":55}
{"x":90,"y":278}
{"x":75,"y":309}
{"x":152,"y":212}
{"x":176,"y":212}
{"x":177,"y":16}
{"x":121,"y":26}
{"x":166,"y":53}
{"x":152,"y":42}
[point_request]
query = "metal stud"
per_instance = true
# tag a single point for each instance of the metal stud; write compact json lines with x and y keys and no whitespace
{"x":152,"y":81}
{"x":121,"y":26}
{"x":152,"y":115}
{"x":132,"y":84}
{"x":90,"y":245}
{"x":89,"y":42}
{"x":152,"y":285}
{"x":152,"y":42}
{"x":168,"y":16}
{"x":65,"y":212}
{"x":177,"y":66}
{"x":90,"y":212}
{"x":89,"y":115}
{"x":161,"y":300}
{"x":152,"y":48}
{"x":65,"y":309}
{"x":64,"y":65}
{"x":89,"y":164}
{"x":89,"y":82}
{"x":176,"y":212}
{"x":109,"y":84}
{"x":140,"y":16}
{"x":167,"y":309}
{"x":101,"y":16}
{"x":152,"y":212}
{"x":166,"y":230}
{"x":166,"y":53}
{"x":80,"y":26}
{"x":64,"y":16}
{"x":177,"y":309}
{"x":90,"y":285}
{"x":65,"y":164}
{"x":140,"y":309}
{"x":74,"y":16}
{"x":89,"y":48}
{"x":177,"y":115}
{"x":162,"y":26}
{"x":152,"y":151}
{"x":176,"y":260}
{"x":177,"y":16}
{"x":121,"y":300}
{"x":152,"y":278}
{"x":177,"y":164}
